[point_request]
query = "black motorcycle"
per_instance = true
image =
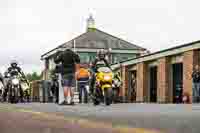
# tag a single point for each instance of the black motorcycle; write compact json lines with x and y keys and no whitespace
{"x":55,"y":87}
{"x":14,"y":89}
{"x":55,"y":81}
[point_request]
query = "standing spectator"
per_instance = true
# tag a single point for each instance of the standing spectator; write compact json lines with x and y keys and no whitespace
{"x":82,"y":77}
{"x":68,"y":59}
{"x":196,"y":83}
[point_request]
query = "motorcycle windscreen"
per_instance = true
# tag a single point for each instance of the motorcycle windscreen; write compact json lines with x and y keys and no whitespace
{"x":104,"y":70}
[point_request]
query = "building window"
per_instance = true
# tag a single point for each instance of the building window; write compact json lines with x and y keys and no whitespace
{"x":121,"y":57}
{"x":92,"y":56}
{"x":115,"y":58}
{"x":87,"y":57}
{"x":124,"y":57}
{"x":84,"y":58}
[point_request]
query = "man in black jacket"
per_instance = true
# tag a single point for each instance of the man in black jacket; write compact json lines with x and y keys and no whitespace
{"x":98,"y":62}
{"x":68,"y":60}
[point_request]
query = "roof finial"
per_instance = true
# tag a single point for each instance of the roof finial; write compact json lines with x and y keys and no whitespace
{"x":90,"y":22}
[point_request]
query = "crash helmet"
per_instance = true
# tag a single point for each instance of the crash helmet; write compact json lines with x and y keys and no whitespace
{"x":14,"y":63}
{"x":101,"y":54}
{"x":5,"y":74}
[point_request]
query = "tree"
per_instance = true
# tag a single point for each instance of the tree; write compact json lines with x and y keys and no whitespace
{"x":33,"y":76}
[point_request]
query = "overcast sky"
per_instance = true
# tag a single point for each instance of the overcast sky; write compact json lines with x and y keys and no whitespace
{"x":29,"y":28}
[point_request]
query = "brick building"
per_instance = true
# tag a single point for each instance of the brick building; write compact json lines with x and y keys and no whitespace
{"x":160,"y":76}
{"x":87,"y":44}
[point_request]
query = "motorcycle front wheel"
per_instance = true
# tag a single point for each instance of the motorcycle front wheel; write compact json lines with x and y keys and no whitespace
{"x":14,"y":96}
{"x":108,"y":96}
{"x":96,"y":97}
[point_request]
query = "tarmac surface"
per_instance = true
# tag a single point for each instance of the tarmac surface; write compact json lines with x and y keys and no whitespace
{"x":117,"y":118}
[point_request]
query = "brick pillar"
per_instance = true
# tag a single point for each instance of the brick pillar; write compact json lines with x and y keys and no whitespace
{"x":125,"y":82}
{"x":190,"y":59}
{"x":163,"y":80}
{"x":142,"y":83}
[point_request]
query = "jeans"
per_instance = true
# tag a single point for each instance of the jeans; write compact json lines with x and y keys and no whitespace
{"x":196,"y":91}
{"x":83,"y":91}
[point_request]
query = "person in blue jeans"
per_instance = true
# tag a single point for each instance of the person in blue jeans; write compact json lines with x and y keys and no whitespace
{"x":196,"y":83}
{"x":83,"y":76}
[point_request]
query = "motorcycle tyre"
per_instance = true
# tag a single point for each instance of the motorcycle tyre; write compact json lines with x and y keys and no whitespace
{"x":96,"y":101}
{"x":108,"y":96}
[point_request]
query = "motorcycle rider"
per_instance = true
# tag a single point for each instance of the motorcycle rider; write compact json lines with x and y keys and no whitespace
{"x":2,"y":84}
{"x":100,"y":60}
{"x":13,"y":70}
{"x":68,"y":60}
{"x":1,"y":78}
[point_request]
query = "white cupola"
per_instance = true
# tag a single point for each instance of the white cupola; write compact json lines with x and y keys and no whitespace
{"x":90,"y":23}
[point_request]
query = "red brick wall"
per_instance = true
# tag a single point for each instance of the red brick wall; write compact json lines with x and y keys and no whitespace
{"x":190,"y":59}
{"x":141,"y":82}
{"x":125,"y":82}
{"x":164,"y":90}
{"x":163,"y":80}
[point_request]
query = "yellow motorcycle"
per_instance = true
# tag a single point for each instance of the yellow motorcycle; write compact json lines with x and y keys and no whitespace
{"x":103,"y":90}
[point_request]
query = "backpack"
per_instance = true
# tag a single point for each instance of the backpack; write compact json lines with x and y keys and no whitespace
{"x":83,"y":73}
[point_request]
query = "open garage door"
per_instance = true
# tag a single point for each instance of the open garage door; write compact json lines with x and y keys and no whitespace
{"x":177,"y":73}
{"x":153,"y":84}
{"x":132,"y":86}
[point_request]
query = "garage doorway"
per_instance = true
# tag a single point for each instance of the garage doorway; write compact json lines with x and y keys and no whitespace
{"x":153,"y":84}
{"x":177,"y":73}
{"x":132,"y":86}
